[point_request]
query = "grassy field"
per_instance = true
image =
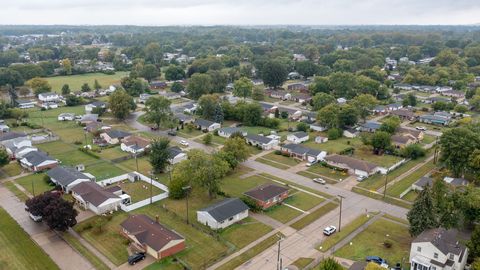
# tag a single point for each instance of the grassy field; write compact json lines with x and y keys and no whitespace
{"x":247,"y":255}
{"x":18,"y":250}
{"x":327,"y":172}
{"x":345,"y":231}
{"x":112,"y":153}
{"x":370,"y":242}
{"x":399,"y":187}
{"x":76,"y":81}
{"x":303,"y":222}
{"x":144,"y":165}
{"x":244,"y":232}
{"x":282,"y":213}
{"x":17,"y":192}
{"x":86,"y":253}
{"x":12,"y":169}
{"x":301,"y":263}
{"x":39,"y":184}
{"x":104,"y":170}
{"x":288,"y":161}
{"x":272,"y":163}
{"x":139,"y":190}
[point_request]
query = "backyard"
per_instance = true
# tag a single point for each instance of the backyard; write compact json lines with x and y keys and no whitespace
{"x":139,"y":190}
{"x":76,"y":81}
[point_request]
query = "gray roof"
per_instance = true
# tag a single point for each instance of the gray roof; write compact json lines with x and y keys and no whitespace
{"x":24,"y":101}
{"x":174,"y":151}
{"x":93,"y":193}
{"x":300,"y":134}
{"x":445,"y":240}
{"x":11,"y":135}
{"x":266,"y":192}
{"x":422,"y":182}
{"x":226,"y":209}
{"x":230,"y":130}
{"x":203,"y":122}
{"x":371,"y":125}
{"x":48,"y":94}
{"x":352,"y":163}
{"x":37,"y":157}
{"x":64,"y":176}
{"x":98,"y":104}
{"x":258,"y":138}
{"x":115,"y":133}
{"x":266,"y":106}
{"x":302,"y":150}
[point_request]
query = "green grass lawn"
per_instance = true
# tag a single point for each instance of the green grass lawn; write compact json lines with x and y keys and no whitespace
{"x":301,"y":263}
{"x":331,"y":173}
{"x":12,"y":169}
{"x":306,"y":220}
{"x":18,"y":250}
{"x":190,"y":134}
{"x":399,"y":187}
{"x":57,"y":147}
{"x":104,"y":170}
{"x":16,"y":191}
{"x":112,"y":153}
{"x":410,"y":196}
{"x":86,"y":253}
{"x":76,"y":81}
{"x":379,"y":196}
{"x":268,"y":176}
{"x":282,"y":213}
{"x":281,"y":159}
{"x":166,"y":264}
{"x":344,"y":232}
{"x":365,"y":153}
{"x":144,"y":165}
{"x":370,"y":242}
{"x":244,"y":232}
{"x":272,"y":163}
{"x":303,"y":200}
{"x":139,"y":190}
{"x":335,"y":146}
{"x":39,"y":184}
{"x":235,"y":186}
{"x":247,"y":255}
{"x":76,"y":157}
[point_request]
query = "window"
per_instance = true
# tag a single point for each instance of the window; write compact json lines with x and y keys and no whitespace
{"x":435,"y":255}
{"x":419,"y":249}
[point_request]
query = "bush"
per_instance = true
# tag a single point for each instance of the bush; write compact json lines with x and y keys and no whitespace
{"x":302,"y":126}
{"x":347,"y":151}
{"x":254,"y":207}
{"x":277,"y":152}
{"x":207,"y":139}
{"x":387,"y":243}
{"x":412,"y":151}
{"x":334,"y":133}
{"x":77,"y":142}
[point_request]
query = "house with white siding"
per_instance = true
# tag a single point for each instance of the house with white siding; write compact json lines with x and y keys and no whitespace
{"x":223,"y":214}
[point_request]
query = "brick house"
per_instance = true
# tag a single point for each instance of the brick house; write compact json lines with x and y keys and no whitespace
{"x":267,"y":195}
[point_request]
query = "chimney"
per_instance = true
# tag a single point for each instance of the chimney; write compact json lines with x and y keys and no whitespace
{"x":156,"y":218}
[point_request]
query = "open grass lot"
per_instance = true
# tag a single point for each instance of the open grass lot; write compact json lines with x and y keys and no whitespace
{"x":245,"y":232}
{"x":18,"y":250}
{"x":144,"y":165}
{"x":202,"y":249}
{"x":166,"y":264}
{"x":12,"y":169}
{"x":86,"y":253}
{"x":104,"y":170}
{"x":139,"y":190}
{"x":365,"y":153}
{"x":247,"y":255}
{"x":301,"y":263}
{"x":112,"y":153}
{"x":303,"y":200}
{"x":75,"y":81}
{"x":304,"y":221}
{"x":331,"y":173}
{"x":334,"y":146}
{"x":370,"y":242}
{"x":272,"y":163}
{"x":235,"y":186}
{"x":344,"y":232}
{"x":427,"y":139}
{"x":379,"y":196}
{"x":282,"y":213}
{"x":39,"y":184}
{"x":16,"y":191}
{"x":55,"y":148}
{"x":257,"y":130}
{"x":49,"y":119}
{"x":76,"y":157}
{"x":281,"y":159}
{"x":190,"y":134}
{"x":399,"y":187}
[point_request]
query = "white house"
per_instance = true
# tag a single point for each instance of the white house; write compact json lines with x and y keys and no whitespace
{"x":25,"y":104}
{"x":298,"y":137}
{"x":321,"y":139}
{"x":49,"y":105}
{"x":92,"y":196}
{"x":190,"y":108}
{"x":18,"y":147}
{"x":114,"y":136}
{"x":66,"y":117}
{"x":226,"y":132}
{"x":134,"y":144}
{"x":438,"y":249}
{"x":263,"y":142}
{"x":176,"y":155}
{"x":97,"y":104}
{"x":37,"y":161}
{"x":68,"y":177}
{"x":48,"y":97}
{"x":206,"y":125}
{"x":223,"y":214}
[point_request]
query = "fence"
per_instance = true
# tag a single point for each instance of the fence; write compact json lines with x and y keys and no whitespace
{"x":130,"y":156}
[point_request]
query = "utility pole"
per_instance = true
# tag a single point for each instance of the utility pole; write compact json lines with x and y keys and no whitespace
{"x":340,"y":216}
{"x":33,"y":188}
{"x":136,"y":161}
{"x":385,"y":188}
{"x":278,"y":255}
{"x":187,"y":189}
{"x":86,"y":143}
{"x":435,"y":151}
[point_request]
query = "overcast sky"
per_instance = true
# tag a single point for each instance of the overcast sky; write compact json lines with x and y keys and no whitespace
{"x":239,"y":12}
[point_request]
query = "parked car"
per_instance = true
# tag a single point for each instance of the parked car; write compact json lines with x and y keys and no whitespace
{"x":329,"y":230}
{"x":422,"y":128}
{"x":360,"y":178}
{"x":35,"y":218}
{"x":172,"y":133}
{"x":133,"y":259}
{"x":153,"y":128}
{"x":319,"y":181}
{"x":376,"y":260}
{"x":184,"y":143}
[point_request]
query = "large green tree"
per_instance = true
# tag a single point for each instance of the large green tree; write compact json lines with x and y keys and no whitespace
{"x":274,"y":73}
{"x":243,"y":87}
{"x":457,"y":144}
{"x":121,"y":104}
{"x":321,"y":100}
{"x":364,"y":104}
{"x":174,"y":73}
{"x":422,"y":215}
{"x":198,"y":85}
{"x":158,"y":111}
{"x":159,"y":154}
{"x":150,"y":72}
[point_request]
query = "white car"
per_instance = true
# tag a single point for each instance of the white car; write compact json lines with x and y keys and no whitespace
{"x":35,"y":218}
{"x":329,"y":230}
{"x":422,"y":128}
{"x":184,"y":143}
{"x":319,"y":180}
{"x":360,"y":178}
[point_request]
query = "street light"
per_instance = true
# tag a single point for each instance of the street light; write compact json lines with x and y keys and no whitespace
{"x":340,"y":216}
{"x":187,"y":189}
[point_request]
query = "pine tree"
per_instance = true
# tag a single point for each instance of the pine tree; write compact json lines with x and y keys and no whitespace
{"x":422,"y":215}
{"x":218,"y":114}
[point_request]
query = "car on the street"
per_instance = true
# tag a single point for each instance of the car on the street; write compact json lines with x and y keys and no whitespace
{"x":172,"y":133}
{"x":319,"y":181}
{"x":376,"y":260}
{"x":35,"y":218}
{"x":329,"y":230}
{"x":184,"y":143}
{"x":422,"y":128}
{"x":134,"y":258}
{"x":360,"y":178}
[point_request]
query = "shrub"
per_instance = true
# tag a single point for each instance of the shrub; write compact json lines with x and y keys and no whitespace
{"x":334,"y":133}
{"x":387,"y":243}
{"x":77,"y":142}
{"x":347,"y":151}
{"x":207,"y":140}
{"x":412,"y":151}
{"x":254,"y":207}
{"x":277,"y":152}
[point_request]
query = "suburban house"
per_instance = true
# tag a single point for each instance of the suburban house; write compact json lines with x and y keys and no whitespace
{"x":184,"y":118}
{"x":158,"y":85}
{"x":353,"y":165}
{"x":303,"y":153}
{"x":68,"y":177}
{"x":49,"y":105}
{"x":400,"y":141}
{"x":455,"y":182}
{"x":96,"y":126}
{"x":223,"y":214}
{"x":190,"y":108}
{"x":297,"y":86}
{"x":370,"y":126}
{"x":435,"y":119}
{"x":89,"y":108}
{"x":438,"y":249}
{"x":114,"y":136}
{"x":9,"y":136}
{"x":350,"y":133}
{"x":170,"y":95}
{"x":298,"y":137}
{"x":227,"y":132}
{"x":415,"y":134}
{"x":206,"y":125}
{"x":176,"y":155}
{"x":300,"y":97}
{"x":37,"y":161}
{"x":88,"y":118}
{"x":66,"y":117}
{"x":263,"y":142}
{"x":321,"y":139}
{"x":48,"y":97}
{"x":152,"y":237}
{"x":92,"y":196}
{"x":143,"y":98}
{"x":422,"y":183}
{"x":279,"y":94}
{"x":267,"y":195}
{"x":18,"y":147}
{"x":25,"y":104}
{"x":404,"y":114}
{"x":453,"y":93}
{"x":268,"y":107}
{"x":134,"y":144}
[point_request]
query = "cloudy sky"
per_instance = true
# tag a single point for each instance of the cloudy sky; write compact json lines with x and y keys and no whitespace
{"x":239,"y":12}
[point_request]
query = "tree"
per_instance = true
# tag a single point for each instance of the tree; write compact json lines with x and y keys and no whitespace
{"x":219,"y":79}
{"x":86,"y":88}
{"x":65,"y":89}
{"x":306,"y":68}
{"x":153,"y":53}
{"x":159,"y":155}
{"x":301,"y":126}
{"x":422,"y":215}
{"x":121,"y":103}
{"x":456,"y":146}
{"x":11,"y":77}
{"x":58,"y":213}
{"x":218,"y":114}
{"x":413,"y":151}
{"x":96,"y":85}
{"x":4,"y":158}
{"x":329,"y":264}
{"x":67,"y":66}
{"x":208,"y":106}
{"x":72,"y":100}
{"x":474,"y":243}
{"x":321,"y":100}
{"x":207,"y":139}
{"x":39,"y":85}
{"x":133,"y":86}
{"x":274,"y":73}
{"x":150,"y":72}
{"x":391,"y":124}
{"x":320,"y":85}
{"x":446,"y":212}
{"x":198,"y":85}
{"x":328,"y":115}
{"x":174,"y":73}
{"x":334,"y":133}
{"x":237,"y":147}
{"x":347,"y":116}
{"x":243,"y":87}
{"x":177,"y":87}
{"x":364,"y":104}
{"x":343,"y":84}
{"x":380,"y":141}
{"x":258,"y":94}
{"x":158,"y":111}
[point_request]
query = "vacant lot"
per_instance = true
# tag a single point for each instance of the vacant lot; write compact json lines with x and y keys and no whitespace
{"x":104,"y":170}
{"x":18,"y":250}
{"x":245,"y":232}
{"x":399,"y":187}
{"x":76,"y":81}
{"x":334,"y":146}
{"x":11,"y":169}
{"x":139,"y":190}
{"x":345,"y":231}
{"x":34,"y":182}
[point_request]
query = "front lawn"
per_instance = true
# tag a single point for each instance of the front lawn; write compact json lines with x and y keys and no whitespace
{"x":12,"y":169}
{"x":306,"y":220}
{"x":112,"y":153}
{"x":243,"y":233}
{"x":303,"y":200}
{"x":335,"y":146}
{"x":282,"y":213}
{"x":365,"y":153}
{"x":272,"y":163}
{"x":76,"y":81}
{"x":139,"y":190}
{"x":327,"y":172}
{"x":18,"y":249}
{"x":399,"y":187}
{"x":38,"y":182}
{"x":371,"y":243}
{"x":104,"y":170}
{"x":301,"y":263}
{"x":288,"y":161}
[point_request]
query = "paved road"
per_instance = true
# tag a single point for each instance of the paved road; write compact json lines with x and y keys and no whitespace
{"x":63,"y":255}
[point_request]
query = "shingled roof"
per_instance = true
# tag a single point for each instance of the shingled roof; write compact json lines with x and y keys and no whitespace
{"x":352,"y":163}
{"x":445,"y":240}
{"x":93,"y":193}
{"x":266,"y":192}
{"x":225,"y":209}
